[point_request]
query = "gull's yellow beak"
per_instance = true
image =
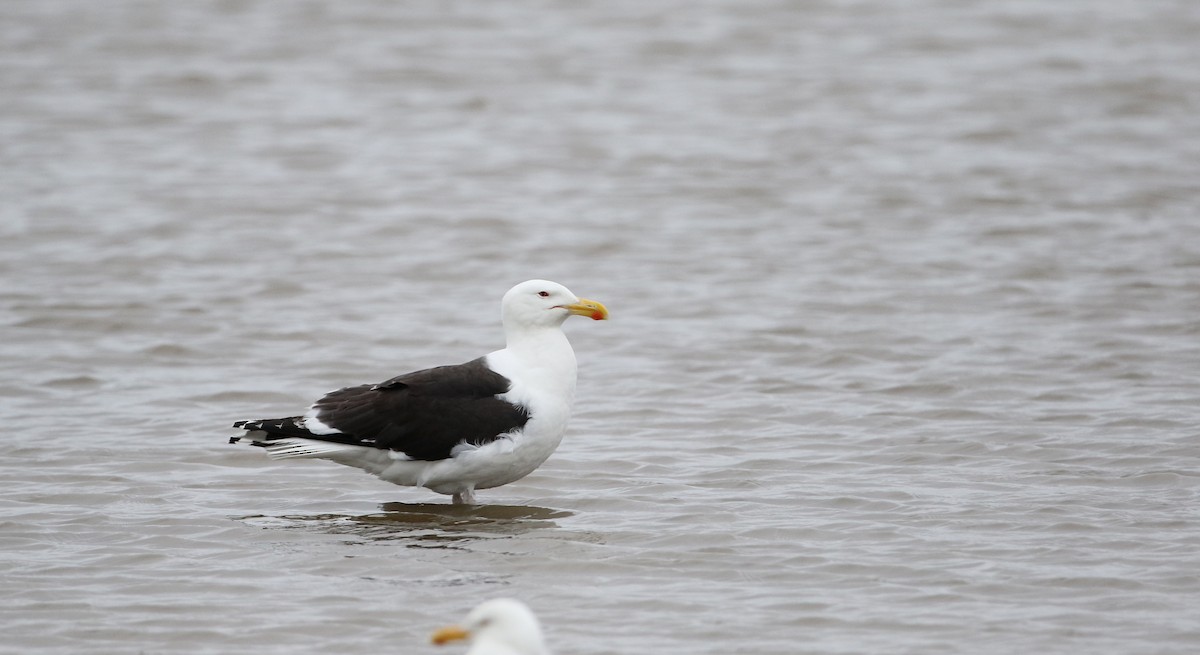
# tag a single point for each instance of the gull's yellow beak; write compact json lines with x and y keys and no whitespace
{"x":448,"y":634}
{"x":589,"y":308}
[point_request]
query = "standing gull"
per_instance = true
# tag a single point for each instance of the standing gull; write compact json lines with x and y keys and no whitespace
{"x":501,"y":626}
{"x":452,"y":429}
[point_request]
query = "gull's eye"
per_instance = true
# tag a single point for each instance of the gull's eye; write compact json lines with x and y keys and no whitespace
{"x":544,"y":294}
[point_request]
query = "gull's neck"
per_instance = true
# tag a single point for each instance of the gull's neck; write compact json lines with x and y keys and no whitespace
{"x":544,"y":350}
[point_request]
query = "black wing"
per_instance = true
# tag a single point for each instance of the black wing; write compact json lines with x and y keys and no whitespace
{"x":423,"y":414}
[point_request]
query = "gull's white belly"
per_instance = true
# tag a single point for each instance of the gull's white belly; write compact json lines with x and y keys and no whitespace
{"x":498,"y":463}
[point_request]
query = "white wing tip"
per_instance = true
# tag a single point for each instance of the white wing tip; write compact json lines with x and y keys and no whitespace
{"x":290,"y":448}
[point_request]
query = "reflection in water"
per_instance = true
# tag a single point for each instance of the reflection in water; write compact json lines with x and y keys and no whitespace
{"x":424,"y":525}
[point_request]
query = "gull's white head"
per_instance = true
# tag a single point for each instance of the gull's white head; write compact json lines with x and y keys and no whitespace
{"x":542,"y":303}
{"x":502,"y":626}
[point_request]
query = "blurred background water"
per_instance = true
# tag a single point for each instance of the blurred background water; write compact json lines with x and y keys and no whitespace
{"x":904,"y":357}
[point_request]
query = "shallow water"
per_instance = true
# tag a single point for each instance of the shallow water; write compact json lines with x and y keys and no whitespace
{"x":905,"y":349}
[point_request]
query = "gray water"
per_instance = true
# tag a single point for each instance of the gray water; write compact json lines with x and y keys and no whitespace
{"x":905,"y":349}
